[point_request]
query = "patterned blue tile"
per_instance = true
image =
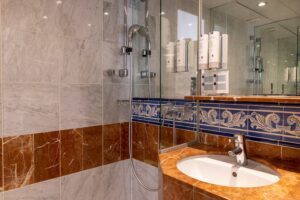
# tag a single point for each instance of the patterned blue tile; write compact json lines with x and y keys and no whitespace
{"x":271,"y":123}
{"x":265,"y":118}
{"x":209,"y":116}
{"x":291,"y":124}
{"x":233,"y":118}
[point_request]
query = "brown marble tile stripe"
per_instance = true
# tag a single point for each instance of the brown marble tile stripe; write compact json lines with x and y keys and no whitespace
{"x":33,"y":158}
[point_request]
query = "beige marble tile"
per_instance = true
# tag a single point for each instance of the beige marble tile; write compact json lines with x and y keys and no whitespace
{"x":151,"y":180}
{"x":85,"y":20}
{"x":47,"y":190}
{"x":113,"y":20}
{"x":82,"y":61}
{"x":82,"y":185}
{"x":116,"y":181}
{"x":72,"y":18}
{"x":114,"y":111}
{"x":31,"y":57}
{"x":113,"y":60}
{"x":80,"y":105}
{"x":29,"y":108}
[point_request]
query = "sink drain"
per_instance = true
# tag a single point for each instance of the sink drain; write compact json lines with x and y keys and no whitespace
{"x":234,"y":174}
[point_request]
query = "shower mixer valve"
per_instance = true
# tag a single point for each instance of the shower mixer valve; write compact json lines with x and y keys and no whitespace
{"x":126,"y":50}
{"x":146,"y":52}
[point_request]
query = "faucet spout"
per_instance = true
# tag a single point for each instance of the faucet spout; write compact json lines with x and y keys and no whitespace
{"x":239,"y":152}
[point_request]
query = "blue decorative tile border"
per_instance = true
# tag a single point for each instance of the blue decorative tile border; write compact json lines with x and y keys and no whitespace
{"x":272,"y":123}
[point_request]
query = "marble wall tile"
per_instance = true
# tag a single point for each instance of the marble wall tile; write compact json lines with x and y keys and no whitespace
{"x":81,"y":106}
{"x":83,"y":185}
{"x":151,"y":180}
{"x":46,"y":156}
{"x":124,"y":141}
{"x":263,"y":150}
{"x":113,"y":60}
{"x":92,"y":147}
{"x":166,"y":137}
{"x":180,"y":191}
{"x":151,"y":144}
{"x":145,"y":142}
{"x":86,"y":18}
{"x":116,"y":181}
{"x":225,"y":143}
{"x":113,"y":22}
{"x":290,"y":154}
{"x":82,"y":61}
{"x":209,"y":139}
{"x":39,"y":57}
{"x":114,"y":111}
{"x":29,"y":108}
{"x":29,"y":15}
{"x":138,"y":141}
{"x":47,"y":190}
{"x":111,"y":143}
{"x":184,"y":136}
{"x":18,"y":157}
{"x":71,"y":151}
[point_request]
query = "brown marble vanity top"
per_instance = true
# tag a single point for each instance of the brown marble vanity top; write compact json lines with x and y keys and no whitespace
{"x":288,"y":188}
{"x":263,"y":99}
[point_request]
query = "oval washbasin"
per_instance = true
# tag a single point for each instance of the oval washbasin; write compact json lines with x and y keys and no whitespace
{"x":222,"y":170}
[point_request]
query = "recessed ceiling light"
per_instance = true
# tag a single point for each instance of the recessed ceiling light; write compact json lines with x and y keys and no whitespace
{"x":262,"y":4}
{"x":58,"y":2}
{"x":190,"y":24}
{"x":106,"y":13}
{"x":45,"y":17}
{"x":162,"y":13}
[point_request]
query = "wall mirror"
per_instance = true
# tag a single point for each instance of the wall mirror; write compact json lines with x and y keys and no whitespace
{"x":263,"y":40}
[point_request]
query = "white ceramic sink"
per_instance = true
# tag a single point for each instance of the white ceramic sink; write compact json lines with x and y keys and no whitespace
{"x":221,"y":170}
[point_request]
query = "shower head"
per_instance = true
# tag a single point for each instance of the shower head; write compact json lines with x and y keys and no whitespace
{"x":142,"y":30}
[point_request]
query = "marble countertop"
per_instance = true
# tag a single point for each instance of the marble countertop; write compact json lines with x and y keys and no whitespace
{"x":233,"y":98}
{"x":288,"y":188}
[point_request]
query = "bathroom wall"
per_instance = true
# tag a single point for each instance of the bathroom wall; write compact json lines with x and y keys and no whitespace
{"x":64,"y":132}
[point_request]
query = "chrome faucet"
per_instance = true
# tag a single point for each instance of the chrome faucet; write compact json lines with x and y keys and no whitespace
{"x":239,"y":152}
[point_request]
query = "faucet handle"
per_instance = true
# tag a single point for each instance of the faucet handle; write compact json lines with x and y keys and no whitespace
{"x":235,"y":152}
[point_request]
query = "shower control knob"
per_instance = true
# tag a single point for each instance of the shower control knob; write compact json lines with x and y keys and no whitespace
{"x":146,"y":52}
{"x":126,"y":50}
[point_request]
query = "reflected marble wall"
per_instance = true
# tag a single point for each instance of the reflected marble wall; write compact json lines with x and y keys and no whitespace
{"x":176,"y":85}
{"x":239,"y":44}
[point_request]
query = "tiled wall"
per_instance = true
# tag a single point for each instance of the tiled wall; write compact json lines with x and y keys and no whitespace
{"x":277,"y":124}
{"x":61,"y":124}
{"x":34,"y":158}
